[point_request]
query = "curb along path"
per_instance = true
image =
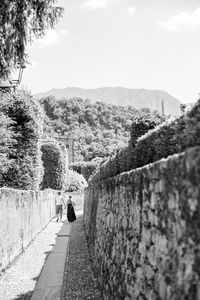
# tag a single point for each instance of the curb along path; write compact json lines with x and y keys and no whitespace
{"x":79,"y":281}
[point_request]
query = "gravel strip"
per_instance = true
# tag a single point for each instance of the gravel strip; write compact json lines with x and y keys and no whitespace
{"x":79,"y":281}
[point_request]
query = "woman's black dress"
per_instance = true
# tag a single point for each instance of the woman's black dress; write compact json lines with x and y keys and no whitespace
{"x":71,"y":217}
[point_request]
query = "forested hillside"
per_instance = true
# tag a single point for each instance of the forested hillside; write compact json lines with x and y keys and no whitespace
{"x":138,"y":98}
{"x":98,"y":129}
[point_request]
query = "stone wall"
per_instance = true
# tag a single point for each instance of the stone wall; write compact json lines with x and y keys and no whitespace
{"x":23,"y":214}
{"x":143,"y":230}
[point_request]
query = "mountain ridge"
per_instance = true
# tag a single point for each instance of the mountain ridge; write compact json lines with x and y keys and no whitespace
{"x":121,"y":96}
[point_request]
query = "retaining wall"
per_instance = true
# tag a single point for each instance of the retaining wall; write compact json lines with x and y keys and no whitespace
{"x":23,"y":214}
{"x":143,"y":230}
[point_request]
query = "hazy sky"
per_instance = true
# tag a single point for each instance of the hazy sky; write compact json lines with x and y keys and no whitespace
{"x":132,"y":43}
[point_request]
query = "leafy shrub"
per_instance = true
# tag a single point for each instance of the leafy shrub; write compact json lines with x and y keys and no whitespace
{"x":26,"y":116}
{"x":89,"y":167}
{"x":6,"y":141}
{"x":75,"y":182}
{"x":142,"y":123}
{"x":170,"y":137}
{"x":86,"y":168}
{"x":76,"y":166}
{"x":159,"y":143}
{"x":54,"y":163}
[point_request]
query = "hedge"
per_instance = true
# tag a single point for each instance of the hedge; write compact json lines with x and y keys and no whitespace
{"x":6,"y":141}
{"x":87,"y":168}
{"x":75,"y":182}
{"x":54,"y":163}
{"x":144,"y":122}
{"x":168,"y":138}
{"x":25,"y":172}
{"x":76,"y":166}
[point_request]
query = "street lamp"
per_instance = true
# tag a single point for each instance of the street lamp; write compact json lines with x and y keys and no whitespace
{"x":9,"y":85}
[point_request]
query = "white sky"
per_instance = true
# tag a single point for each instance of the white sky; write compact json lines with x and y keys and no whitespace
{"x":132,"y":43}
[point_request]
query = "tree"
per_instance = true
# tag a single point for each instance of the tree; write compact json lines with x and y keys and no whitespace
{"x":75,"y":182}
{"x":21,"y":22}
{"x":98,"y":129}
{"x":6,"y":142}
{"x":22,"y":129}
{"x":54,"y":163}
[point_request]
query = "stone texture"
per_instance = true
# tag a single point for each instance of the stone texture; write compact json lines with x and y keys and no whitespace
{"x":23,"y":214}
{"x":143,"y":229}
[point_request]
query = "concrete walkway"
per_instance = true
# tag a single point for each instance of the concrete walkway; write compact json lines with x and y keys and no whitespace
{"x":19,"y":280}
{"x":55,"y":266}
{"x":49,"y":285}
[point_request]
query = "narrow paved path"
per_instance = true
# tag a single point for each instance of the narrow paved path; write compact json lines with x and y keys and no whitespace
{"x":19,"y":280}
{"x":49,"y":284}
{"x":56,"y":266}
{"x":79,"y":281}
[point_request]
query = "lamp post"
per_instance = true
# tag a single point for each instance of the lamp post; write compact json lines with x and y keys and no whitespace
{"x":9,"y":85}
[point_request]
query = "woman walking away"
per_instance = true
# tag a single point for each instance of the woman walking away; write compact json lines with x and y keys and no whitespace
{"x":71,"y":217}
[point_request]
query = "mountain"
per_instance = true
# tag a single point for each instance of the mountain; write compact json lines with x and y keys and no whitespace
{"x":138,"y":98}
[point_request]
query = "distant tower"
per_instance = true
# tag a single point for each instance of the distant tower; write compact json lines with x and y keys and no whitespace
{"x":69,"y":144}
{"x":163,"y":107}
{"x":182,"y":108}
